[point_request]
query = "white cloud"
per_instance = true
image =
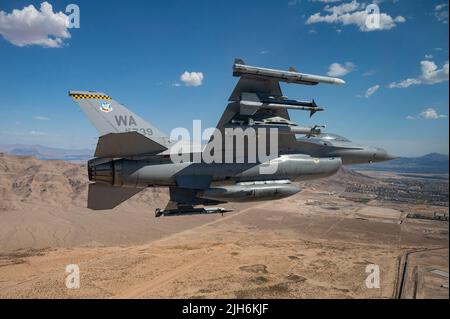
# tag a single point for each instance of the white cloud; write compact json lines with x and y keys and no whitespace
{"x":429,"y":114}
{"x":344,"y":8}
{"x":30,"y":26}
{"x":192,"y":78}
{"x":337,"y":69}
{"x":370,"y":91}
{"x":403,"y":84}
{"x":428,"y":56}
{"x":37,"y":133}
{"x":41,"y":118}
{"x":430,"y":75}
{"x":441,"y":12}
{"x":369,"y":73}
{"x":263,"y":52}
{"x":353,"y":13}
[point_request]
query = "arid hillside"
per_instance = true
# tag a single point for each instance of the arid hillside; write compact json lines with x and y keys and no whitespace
{"x":43,"y":204}
{"x":51,"y":183}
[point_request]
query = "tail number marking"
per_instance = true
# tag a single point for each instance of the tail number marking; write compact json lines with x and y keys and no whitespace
{"x":126,"y":121}
{"x":143,"y":131}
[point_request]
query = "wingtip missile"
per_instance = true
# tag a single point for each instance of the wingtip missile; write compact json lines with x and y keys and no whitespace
{"x":290,"y":76}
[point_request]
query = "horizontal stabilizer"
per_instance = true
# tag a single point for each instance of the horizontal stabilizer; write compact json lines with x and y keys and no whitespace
{"x":126,"y":144}
{"x":102,"y":196}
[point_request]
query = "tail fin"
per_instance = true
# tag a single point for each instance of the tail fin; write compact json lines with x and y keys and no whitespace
{"x":101,"y":196}
{"x":109,"y":116}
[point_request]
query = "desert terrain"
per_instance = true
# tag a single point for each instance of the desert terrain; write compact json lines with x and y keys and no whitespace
{"x":316,"y":244}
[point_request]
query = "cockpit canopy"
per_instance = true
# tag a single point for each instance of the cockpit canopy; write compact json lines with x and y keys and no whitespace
{"x":332,"y":137}
{"x":323,"y":138}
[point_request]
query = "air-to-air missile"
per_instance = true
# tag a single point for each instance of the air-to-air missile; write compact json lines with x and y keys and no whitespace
{"x":291,"y":76}
{"x":251,"y":102}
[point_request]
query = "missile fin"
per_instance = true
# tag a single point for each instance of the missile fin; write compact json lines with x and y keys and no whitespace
{"x":239,"y":61}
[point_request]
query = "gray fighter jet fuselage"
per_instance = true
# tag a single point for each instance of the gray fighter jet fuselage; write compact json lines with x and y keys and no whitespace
{"x":132,"y":154}
{"x":333,"y":145}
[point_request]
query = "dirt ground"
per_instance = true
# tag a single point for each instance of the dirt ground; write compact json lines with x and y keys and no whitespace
{"x":315,"y":245}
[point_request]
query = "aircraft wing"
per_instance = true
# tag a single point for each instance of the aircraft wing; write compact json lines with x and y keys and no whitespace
{"x":251,"y":84}
{"x":257,"y":100}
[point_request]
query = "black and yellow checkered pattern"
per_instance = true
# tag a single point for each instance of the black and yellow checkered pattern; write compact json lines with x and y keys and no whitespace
{"x":90,"y":96}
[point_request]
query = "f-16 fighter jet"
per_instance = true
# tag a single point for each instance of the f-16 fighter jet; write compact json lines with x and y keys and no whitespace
{"x":234,"y":166}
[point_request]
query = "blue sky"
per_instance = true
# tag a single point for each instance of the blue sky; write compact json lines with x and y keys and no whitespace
{"x":136,"y":51}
